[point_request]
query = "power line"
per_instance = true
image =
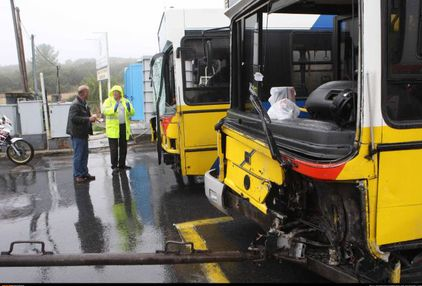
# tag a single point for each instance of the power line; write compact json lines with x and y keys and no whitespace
{"x":36,"y":47}
{"x":45,"y":58}
{"x":26,"y":32}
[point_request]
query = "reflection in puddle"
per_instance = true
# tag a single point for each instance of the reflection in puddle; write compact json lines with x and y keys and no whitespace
{"x":90,"y":228}
{"x":125,"y":212}
{"x":113,"y":214}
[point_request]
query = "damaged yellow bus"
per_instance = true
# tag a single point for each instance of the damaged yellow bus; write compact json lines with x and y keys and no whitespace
{"x":336,"y":190}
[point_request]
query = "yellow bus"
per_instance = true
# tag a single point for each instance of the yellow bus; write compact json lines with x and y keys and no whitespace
{"x":337,"y":190}
{"x":191,"y":84}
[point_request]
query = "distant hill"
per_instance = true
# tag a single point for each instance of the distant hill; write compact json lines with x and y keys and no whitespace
{"x":72,"y":74}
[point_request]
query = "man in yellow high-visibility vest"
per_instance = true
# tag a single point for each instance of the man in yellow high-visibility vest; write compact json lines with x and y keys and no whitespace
{"x":118,"y":110}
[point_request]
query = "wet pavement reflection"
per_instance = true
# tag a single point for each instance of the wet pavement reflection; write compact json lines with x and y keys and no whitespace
{"x":90,"y":228}
{"x":112,"y":214}
{"x":131,"y":211}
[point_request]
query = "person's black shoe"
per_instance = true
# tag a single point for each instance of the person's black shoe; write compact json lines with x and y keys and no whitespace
{"x":125,"y":168}
{"x":81,"y":180}
{"x":115,"y":170}
{"x":90,"y":178}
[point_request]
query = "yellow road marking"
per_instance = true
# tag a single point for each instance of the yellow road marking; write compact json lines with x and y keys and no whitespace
{"x":187,"y":230}
{"x":203,"y":222}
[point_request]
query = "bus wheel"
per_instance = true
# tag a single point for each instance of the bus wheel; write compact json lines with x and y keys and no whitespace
{"x":177,"y":169}
{"x":179,"y":178}
{"x":192,"y":180}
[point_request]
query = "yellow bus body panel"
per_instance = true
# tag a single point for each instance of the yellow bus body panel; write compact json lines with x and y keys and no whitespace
{"x":198,"y":138}
{"x":198,"y":125}
{"x":257,"y":192}
{"x":260,"y":165}
{"x":199,"y":162}
{"x":262,"y":170}
{"x":399,"y":216}
{"x":390,"y":135}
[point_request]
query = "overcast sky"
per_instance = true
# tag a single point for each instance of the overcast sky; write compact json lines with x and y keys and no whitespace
{"x":67,"y":25}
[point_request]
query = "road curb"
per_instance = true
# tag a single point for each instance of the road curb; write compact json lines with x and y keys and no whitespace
{"x":40,"y":153}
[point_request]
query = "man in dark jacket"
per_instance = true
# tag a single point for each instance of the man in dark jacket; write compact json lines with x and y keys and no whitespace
{"x":79,"y":127}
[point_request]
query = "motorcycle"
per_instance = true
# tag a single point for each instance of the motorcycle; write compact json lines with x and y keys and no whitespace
{"x":18,"y":150}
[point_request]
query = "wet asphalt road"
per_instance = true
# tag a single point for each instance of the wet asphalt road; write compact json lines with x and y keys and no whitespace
{"x":134,"y":211}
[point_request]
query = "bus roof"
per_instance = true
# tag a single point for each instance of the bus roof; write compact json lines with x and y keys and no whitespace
{"x":337,"y":7}
{"x":175,"y":23}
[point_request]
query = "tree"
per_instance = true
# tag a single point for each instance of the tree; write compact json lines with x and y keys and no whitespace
{"x":72,"y":73}
{"x":94,"y":98}
{"x":46,"y":56}
{"x":9,"y":79}
{"x":47,"y":62}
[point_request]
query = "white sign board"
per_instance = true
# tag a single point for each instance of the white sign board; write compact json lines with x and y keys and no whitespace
{"x":102,"y":55}
{"x":58,"y":118}
{"x":103,"y":74}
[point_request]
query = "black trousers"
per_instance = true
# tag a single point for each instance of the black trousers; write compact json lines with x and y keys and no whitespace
{"x":118,"y":148}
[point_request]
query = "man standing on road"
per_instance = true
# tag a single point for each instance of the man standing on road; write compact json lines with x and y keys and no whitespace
{"x":79,"y":127}
{"x":118,"y":111}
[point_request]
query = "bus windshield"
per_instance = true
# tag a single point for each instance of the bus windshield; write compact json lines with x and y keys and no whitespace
{"x":302,"y":62}
{"x":299,"y":51}
{"x":206,"y":64}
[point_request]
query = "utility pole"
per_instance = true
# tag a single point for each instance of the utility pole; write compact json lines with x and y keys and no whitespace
{"x":58,"y":84}
{"x":45,"y":103}
{"x":24,"y":71}
{"x":19,"y":45}
{"x":34,"y":67}
{"x":108,"y":66}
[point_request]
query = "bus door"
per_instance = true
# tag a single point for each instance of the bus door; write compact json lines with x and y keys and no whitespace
{"x":206,"y":74}
{"x":162,"y":77}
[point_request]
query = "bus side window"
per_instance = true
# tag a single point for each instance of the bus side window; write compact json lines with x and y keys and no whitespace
{"x":402,"y":100}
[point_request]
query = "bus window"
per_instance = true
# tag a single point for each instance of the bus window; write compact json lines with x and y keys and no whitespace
{"x":402,"y":101}
{"x":312,"y":63}
{"x":206,"y":63}
{"x":348,"y":45}
{"x":250,"y":58}
{"x":286,"y":56}
{"x":170,"y":83}
{"x":157,"y":77}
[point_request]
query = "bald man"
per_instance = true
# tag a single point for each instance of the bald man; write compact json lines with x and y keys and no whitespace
{"x":79,"y":127}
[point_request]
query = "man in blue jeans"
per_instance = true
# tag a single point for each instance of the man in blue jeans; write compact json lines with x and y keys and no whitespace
{"x":79,"y":127}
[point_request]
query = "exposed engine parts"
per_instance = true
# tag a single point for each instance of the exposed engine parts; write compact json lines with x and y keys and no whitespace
{"x":322,"y":222}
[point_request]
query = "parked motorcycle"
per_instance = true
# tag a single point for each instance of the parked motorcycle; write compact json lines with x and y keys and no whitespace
{"x":18,"y":150}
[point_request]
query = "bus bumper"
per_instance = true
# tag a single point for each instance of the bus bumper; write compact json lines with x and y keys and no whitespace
{"x":214,"y":190}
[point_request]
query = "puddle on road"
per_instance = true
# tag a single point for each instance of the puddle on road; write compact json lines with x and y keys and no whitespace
{"x":115,"y":213}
